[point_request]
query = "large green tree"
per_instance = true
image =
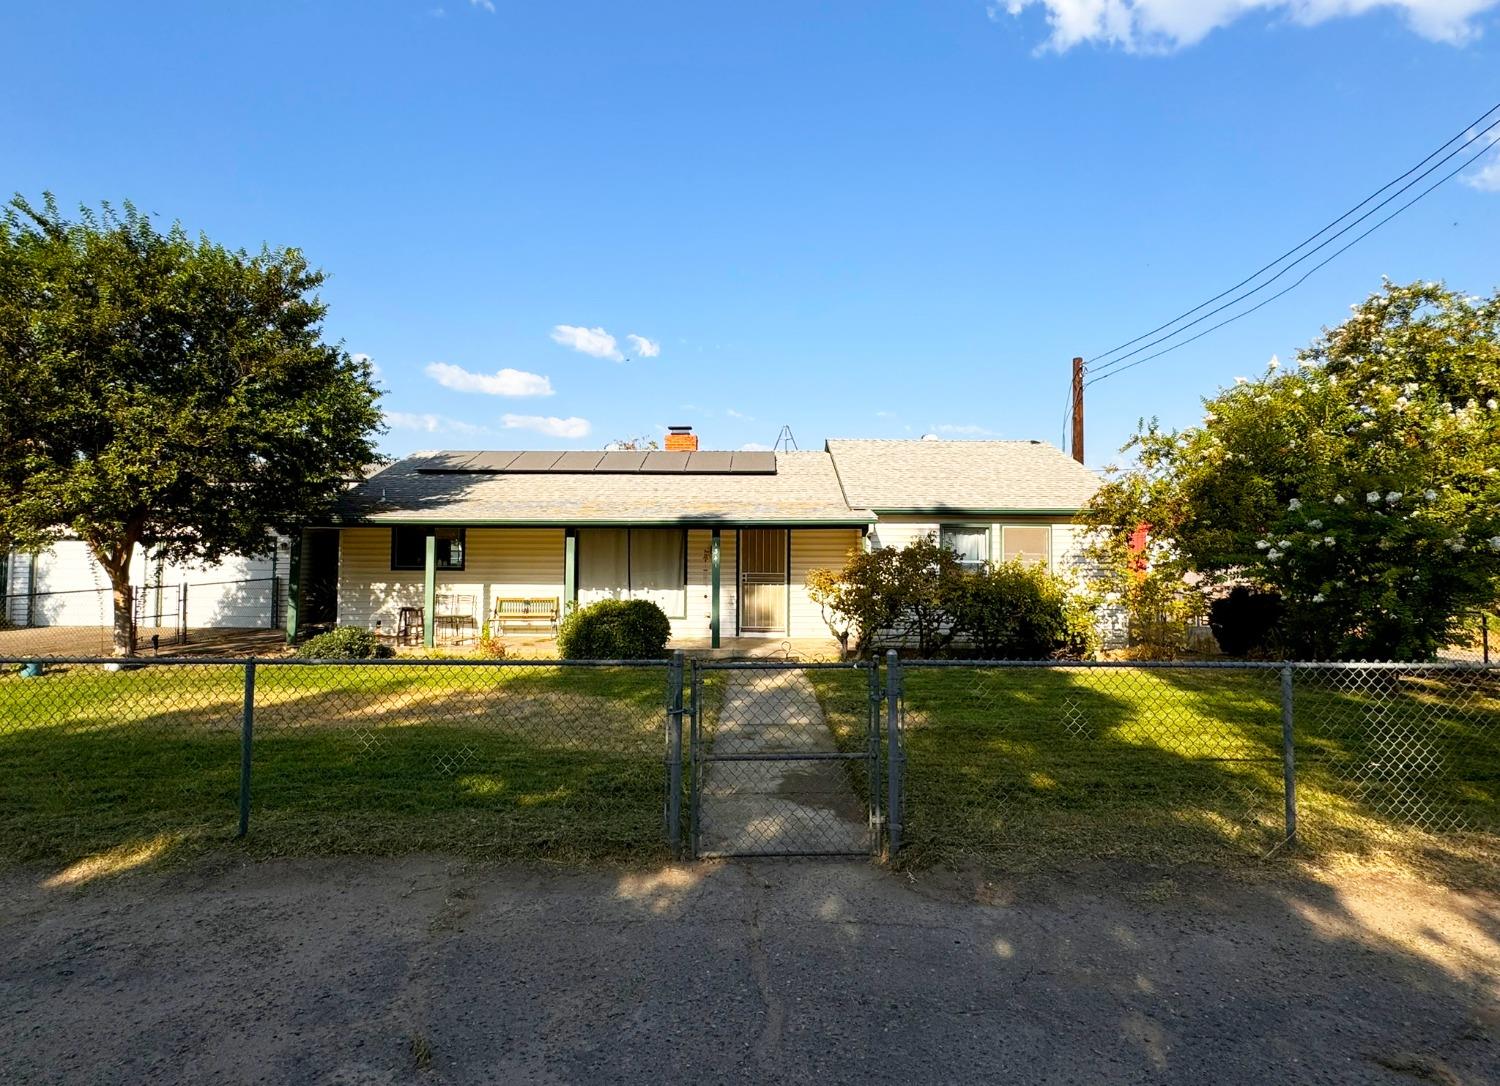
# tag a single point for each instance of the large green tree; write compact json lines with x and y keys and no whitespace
{"x":1361,"y":484}
{"x":162,"y":391}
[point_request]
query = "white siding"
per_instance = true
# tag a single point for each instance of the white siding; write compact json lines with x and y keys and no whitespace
{"x":498,"y":562}
{"x":1066,"y":545}
{"x":815,"y":548}
{"x":699,"y":585}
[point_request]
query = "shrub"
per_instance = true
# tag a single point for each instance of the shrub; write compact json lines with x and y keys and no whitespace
{"x":614,"y":630}
{"x":1019,"y":611}
{"x":902,"y":593}
{"x":1246,"y":622}
{"x":345,"y":643}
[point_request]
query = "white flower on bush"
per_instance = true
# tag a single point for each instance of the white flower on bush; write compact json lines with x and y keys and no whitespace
{"x":1491,"y":404}
{"x":1275,"y":363}
{"x":1262,"y":544}
{"x":1338,"y":499}
{"x":1241,"y":381}
{"x":1273,"y":554}
{"x":1285,"y":544}
{"x":1294,"y":504}
{"x":1430,"y":495}
{"x":1319,"y":598}
{"x":1410,"y":388}
{"x":1315,"y":524}
{"x":1393,"y":497}
{"x":1328,"y":541}
{"x":1495,"y":542}
{"x":1457,"y":546}
{"x":1373,"y":497}
{"x":1296,"y":393}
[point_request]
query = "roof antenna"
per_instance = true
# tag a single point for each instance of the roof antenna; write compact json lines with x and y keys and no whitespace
{"x":785,"y":442}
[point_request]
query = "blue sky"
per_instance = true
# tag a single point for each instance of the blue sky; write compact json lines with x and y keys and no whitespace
{"x":856,"y":218}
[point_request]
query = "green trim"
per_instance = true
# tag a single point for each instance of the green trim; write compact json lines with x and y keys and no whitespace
{"x":293,"y":588}
{"x":680,"y":522}
{"x":715,"y":560}
{"x":570,"y":567}
{"x":429,"y":589}
{"x":947,"y":511}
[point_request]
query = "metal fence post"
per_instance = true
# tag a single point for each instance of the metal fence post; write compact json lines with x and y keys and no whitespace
{"x":1484,"y":636}
{"x":1288,"y":754}
{"x":695,"y":761}
{"x":674,"y":754}
{"x":247,"y":727}
{"x":893,"y":750}
{"x":872,"y":724}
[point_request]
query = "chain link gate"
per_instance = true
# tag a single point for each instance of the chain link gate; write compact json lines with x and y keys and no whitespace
{"x":784,"y":758}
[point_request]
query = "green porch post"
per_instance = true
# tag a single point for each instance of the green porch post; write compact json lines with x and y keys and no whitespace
{"x":429,"y":588}
{"x":714,"y":567}
{"x":570,"y":568}
{"x":293,"y":587}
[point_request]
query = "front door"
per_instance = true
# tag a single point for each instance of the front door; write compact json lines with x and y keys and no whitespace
{"x":763,"y":580}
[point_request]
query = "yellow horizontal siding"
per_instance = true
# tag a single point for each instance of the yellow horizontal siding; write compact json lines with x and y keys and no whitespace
{"x":815,"y":548}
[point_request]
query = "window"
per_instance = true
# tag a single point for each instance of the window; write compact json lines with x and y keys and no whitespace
{"x":1029,"y":543}
{"x":634,"y":563}
{"x":971,"y":542}
{"x":409,"y":548}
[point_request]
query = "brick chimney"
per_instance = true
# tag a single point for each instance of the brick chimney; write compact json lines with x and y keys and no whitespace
{"x":681,"y":439}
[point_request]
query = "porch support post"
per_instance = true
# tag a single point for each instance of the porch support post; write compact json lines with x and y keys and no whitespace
{"x":429,"y":587}
{"x":714,"y":576}
{"x":570,"y":568}
{"x":293,"y":587}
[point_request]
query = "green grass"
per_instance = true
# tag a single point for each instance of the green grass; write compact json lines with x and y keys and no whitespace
{"x":1021,"y":768}
{"x":545,"y":763}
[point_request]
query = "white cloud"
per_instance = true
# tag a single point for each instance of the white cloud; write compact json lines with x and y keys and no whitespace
{"x":505,"y":382}
{"x":483,"y":5}
{"x":964,"y":430}
{"x":375,"y":371}
{"x":431,"y":424}
{"x":754,"y":446}
{"x":591,"y":341}
{"x":550,"y":425}
{"x":1160,"y":26}
{"x":732,"y":413}
{"x":1486,"y":178}
{"x":642,"y":346}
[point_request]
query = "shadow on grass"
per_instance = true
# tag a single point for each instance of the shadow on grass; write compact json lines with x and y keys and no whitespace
{"x":1033,"y":767}
{"x":562,"y":764}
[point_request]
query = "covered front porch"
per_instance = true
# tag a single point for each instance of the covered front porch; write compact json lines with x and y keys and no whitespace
{"x":735,"y":586}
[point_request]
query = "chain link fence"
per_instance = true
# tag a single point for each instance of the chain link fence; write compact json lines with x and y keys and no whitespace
{"x":1189,"y":762}
{"x":947,"y":762}
{"x":549,"y":760}
{"x":210,"y":616}
{"x":785,"y":758}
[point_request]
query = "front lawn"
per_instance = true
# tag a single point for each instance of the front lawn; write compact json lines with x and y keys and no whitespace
{"x":541,"y":762}
{"x":1028,"y":767}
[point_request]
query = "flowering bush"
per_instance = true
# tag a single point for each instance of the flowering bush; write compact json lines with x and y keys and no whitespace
{"x":1362,"y":486}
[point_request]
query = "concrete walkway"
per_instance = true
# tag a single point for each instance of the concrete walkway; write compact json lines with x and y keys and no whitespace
{"x":783,"y":806}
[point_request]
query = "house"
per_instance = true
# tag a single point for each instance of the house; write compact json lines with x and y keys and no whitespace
{"x":64,"y":585}
{"x":722,"y":541}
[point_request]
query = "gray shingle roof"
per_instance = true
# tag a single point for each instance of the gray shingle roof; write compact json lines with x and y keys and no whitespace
{"x":959,"y":476}
{"x":804,"y":490}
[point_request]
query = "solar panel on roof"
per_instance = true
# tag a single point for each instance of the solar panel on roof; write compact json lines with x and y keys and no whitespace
{"x":446,"y":461}
{"x":709,"y":463}
{"x":578,"y":461}
{"x":621,"y":461}
{"x":581,"y":462}
{"x":662,"y":463}
{"x":491,"y":461}
{"x":754,"y":463}
{"x":534,"y":461}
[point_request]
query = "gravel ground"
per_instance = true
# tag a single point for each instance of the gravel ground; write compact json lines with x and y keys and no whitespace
{"x":426,"y":970}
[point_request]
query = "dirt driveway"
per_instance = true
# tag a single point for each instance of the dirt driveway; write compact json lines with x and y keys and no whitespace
{"x":430,"y":971}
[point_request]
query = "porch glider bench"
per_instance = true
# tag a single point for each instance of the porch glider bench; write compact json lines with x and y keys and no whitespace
{"x":532,"y":611}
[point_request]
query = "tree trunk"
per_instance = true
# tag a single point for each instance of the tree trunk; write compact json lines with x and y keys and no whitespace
{"x":123,"y":633}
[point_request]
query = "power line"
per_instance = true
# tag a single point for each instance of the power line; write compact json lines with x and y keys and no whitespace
{"x":1469,"y":131}
{"x":1309,"y":273}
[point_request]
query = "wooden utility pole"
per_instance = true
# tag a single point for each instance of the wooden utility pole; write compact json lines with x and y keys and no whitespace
{"x":1078,"y":409}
